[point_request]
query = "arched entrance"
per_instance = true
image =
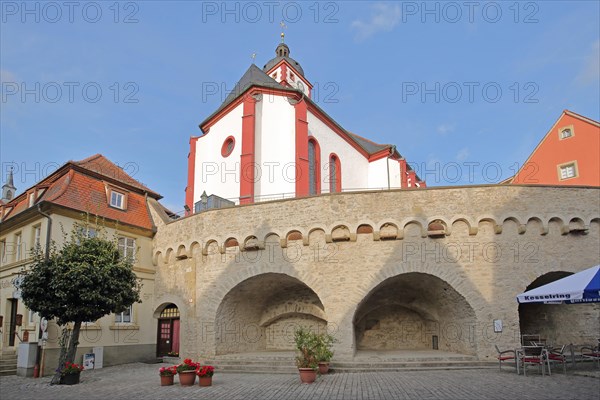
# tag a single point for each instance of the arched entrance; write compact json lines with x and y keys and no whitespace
{"x":559,"y":324}
{"x":415,"y":311}
{"x":262,"y":313}
{"x":167,"y":340}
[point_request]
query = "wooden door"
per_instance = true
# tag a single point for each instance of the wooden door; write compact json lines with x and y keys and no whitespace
{"x":165,"y":337}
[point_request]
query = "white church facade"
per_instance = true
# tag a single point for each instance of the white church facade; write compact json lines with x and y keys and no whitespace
{"x":269,"y":140}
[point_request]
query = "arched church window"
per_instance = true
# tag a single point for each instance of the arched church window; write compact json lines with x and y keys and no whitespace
{"x":335,"y":174}
{"x":314,"y":187}
{"x":228,"y":146}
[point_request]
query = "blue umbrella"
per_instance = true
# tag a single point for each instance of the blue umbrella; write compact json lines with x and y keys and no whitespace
{"x":582,"y":287}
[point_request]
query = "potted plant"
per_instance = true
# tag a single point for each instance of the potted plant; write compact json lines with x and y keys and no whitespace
{"x":69,"y":374}
{"x":187,"y":372}
{"x":324,"y":351}
{"x":167,"y":374}
{"x":306,"y":360}
{"x":205,"y":374}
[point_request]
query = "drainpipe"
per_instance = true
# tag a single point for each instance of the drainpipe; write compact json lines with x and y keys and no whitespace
{"x":387,"y":161}
{"x":41,"y":353}
{"x":48,"y":230}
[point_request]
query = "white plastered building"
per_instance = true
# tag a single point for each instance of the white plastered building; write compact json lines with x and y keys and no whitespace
{"x":269,"y":140}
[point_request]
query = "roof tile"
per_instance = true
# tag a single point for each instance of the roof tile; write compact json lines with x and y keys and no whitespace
{"x":75,"y":189}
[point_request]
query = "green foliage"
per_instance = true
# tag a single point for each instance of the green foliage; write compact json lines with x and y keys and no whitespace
{"x":307,"y":344}
{"x":187,"y":365}
{"x":324,"y":347}
{"x":82,"y":281}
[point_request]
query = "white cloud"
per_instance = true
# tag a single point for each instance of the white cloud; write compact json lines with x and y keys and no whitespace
{"x":444,"y":129}
{"x":384,"y":18}
{"x":463,"y":154}
{"x":590,"y":73}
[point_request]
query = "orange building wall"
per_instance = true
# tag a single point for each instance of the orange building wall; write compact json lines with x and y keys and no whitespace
{"x":583,"y":147}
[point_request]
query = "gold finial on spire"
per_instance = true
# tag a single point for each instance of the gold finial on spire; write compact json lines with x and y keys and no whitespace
{"x":283,"y":26}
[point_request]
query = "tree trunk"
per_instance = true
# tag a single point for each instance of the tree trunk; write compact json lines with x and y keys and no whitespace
{"x":68,"y":348}
{"x":74,"y":342}
{"x":64,"y":339}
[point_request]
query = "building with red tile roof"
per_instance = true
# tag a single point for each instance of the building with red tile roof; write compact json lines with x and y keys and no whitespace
{"x":57,"y":204}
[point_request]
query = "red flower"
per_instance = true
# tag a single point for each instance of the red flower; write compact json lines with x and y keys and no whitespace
{"x":188,"y":365}
{"x":204,"y":371}
{"x":168,"y":371}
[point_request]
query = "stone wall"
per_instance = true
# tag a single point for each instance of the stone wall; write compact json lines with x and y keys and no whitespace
{"x":494,"y":241}
{"x":409,"y":310}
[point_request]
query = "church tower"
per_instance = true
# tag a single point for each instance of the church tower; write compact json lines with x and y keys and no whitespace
{"x":287,"y":71}
{"x":270,"y":140}
{"x":8,"y":189}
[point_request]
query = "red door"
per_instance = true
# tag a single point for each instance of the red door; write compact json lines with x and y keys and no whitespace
{"x":175,"y":337}
{"x":165,"y":337}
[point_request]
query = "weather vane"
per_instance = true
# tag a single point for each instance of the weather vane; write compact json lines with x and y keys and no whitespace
{"x":253,"y":57}
{"x":283,"y":26}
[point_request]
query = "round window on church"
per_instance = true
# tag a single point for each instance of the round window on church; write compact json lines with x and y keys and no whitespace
{"x":228,"y":146}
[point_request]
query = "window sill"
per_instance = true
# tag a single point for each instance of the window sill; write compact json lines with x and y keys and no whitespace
{"x":124,"y":327}
{"x":22,"y":262}
{"x":94,"y":327}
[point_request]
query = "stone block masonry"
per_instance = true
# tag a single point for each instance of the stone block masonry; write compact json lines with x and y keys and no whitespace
{"x":374,"y":270}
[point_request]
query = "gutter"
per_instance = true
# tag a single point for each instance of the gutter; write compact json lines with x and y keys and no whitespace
{"x":48,"y":231}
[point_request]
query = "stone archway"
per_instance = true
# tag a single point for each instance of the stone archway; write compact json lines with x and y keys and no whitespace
{"x":559,"y":324}
{"x":262,"y":312}
{"x":415,"y":311}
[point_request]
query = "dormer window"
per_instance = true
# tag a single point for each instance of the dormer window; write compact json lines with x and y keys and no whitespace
{"x":117,"y":199}
{"x":31,"y":199}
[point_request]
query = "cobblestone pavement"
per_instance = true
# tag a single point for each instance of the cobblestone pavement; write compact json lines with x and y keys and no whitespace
{"x":141,"y":381}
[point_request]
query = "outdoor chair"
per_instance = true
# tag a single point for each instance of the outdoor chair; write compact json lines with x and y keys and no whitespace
{"x":557,"y":355}
{"x":535,"y":355}
{"x":506,"y":355}
{"x":529,"y":340}
{"x":589,"y":352}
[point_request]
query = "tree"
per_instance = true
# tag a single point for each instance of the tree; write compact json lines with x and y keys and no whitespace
{"x":84,"y":280}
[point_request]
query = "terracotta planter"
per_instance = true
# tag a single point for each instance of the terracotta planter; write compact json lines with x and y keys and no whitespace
{"x":70,"y":379}
{"x":187,"y":378}
{"x":323,"y":368}
{"x":205,"y":380}
{"x":166,"y":380}
{"x":307,"y":375}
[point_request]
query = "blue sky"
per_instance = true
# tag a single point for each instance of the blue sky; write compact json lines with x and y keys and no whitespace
{"x":465,"y":91}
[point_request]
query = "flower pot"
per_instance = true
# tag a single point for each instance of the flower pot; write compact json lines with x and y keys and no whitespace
{"x":307,"y":375}
{"x":205,"y":380}
{"x":187,"y":378}
{"x":323,"y":368}
{"x":166,"y":380}
{"x":69,"y":379}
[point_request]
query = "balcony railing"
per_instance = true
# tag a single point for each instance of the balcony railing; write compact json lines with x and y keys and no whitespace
{"x":235,"y":201}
